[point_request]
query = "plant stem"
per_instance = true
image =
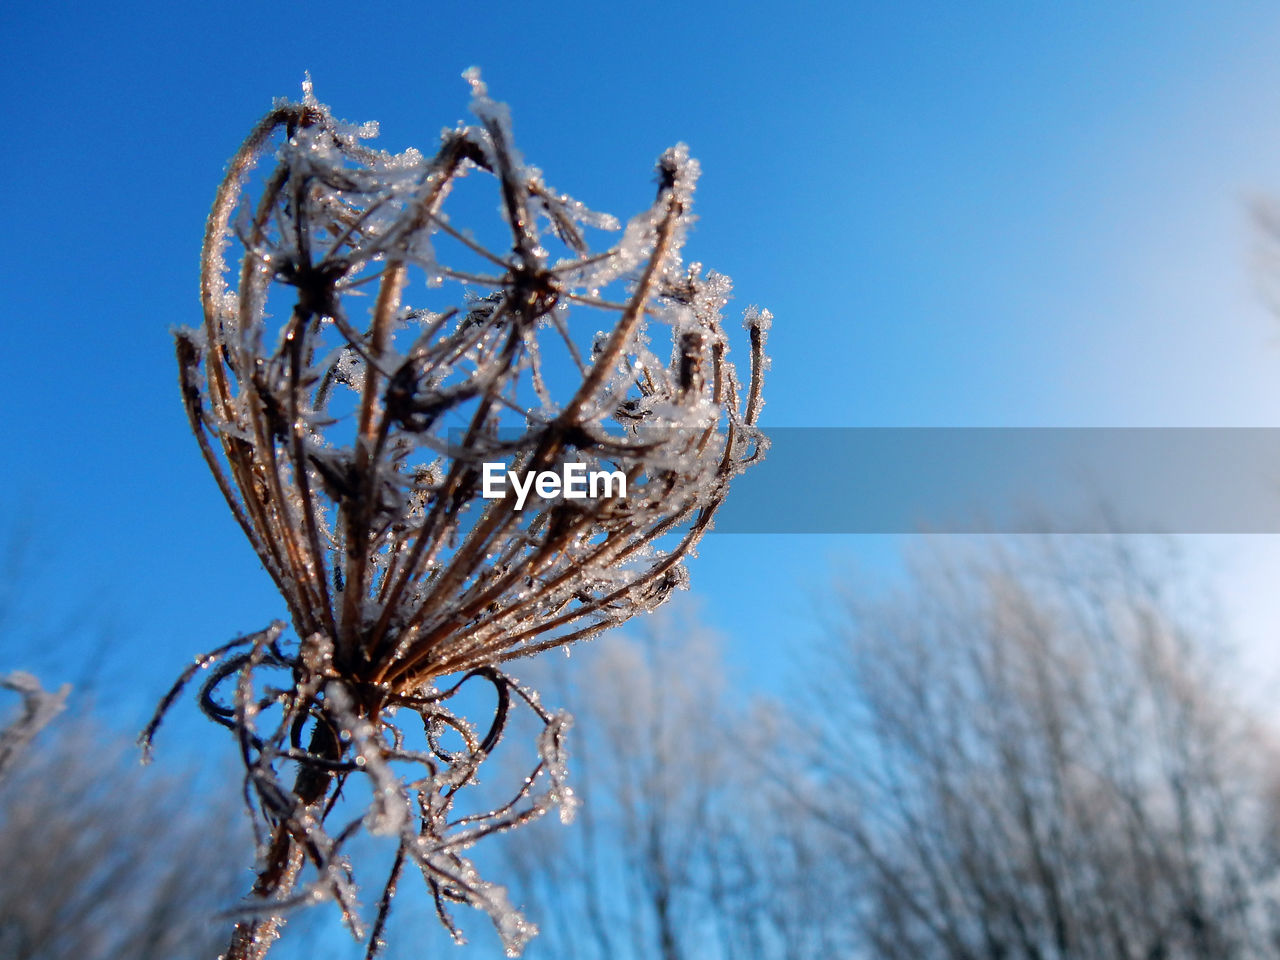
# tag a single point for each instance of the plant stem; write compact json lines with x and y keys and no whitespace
{"x":251,"y":939}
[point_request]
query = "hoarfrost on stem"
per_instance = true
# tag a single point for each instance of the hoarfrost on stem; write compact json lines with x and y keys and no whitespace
{"x":347,"y":429}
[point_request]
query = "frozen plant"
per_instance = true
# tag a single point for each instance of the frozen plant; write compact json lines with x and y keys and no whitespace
{"x":39,"y":707}
{"x":348,"y":429}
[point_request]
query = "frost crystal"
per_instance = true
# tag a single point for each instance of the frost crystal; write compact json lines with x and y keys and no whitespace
{"x":348,"y":430}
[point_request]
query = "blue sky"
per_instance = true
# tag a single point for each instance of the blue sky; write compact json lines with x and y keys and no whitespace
{"x":997,"y":214}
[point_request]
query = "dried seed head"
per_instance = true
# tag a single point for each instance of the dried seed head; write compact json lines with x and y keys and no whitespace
{"x":348,"y":429}
{"x":355,"y":372}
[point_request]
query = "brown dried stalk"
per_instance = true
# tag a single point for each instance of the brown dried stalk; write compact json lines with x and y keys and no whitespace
{"x":349,"y":437}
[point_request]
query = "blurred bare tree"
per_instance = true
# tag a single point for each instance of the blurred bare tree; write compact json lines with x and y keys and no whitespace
{"x":103,"y":860}
{"x":1029,"y":753}
{"x":681,"y":849}
{"x":1030,"y":750}
{"x":100,"y":859}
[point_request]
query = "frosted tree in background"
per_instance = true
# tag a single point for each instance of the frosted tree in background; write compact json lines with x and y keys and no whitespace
{"x":686,"y":846}
{"x":1028,"y":749}
{"x":103,"y":861}
{"x":1031,"y":752}
{"x":356,"y":369}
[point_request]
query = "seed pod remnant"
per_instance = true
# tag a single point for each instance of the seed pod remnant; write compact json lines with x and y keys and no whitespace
{"x":358,"y":364}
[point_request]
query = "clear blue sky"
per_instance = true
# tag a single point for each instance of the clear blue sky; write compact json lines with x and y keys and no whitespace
{"x":960,"y":214}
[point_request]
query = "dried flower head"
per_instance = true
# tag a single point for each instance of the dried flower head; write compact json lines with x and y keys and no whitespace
{"x":348,"y":429}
